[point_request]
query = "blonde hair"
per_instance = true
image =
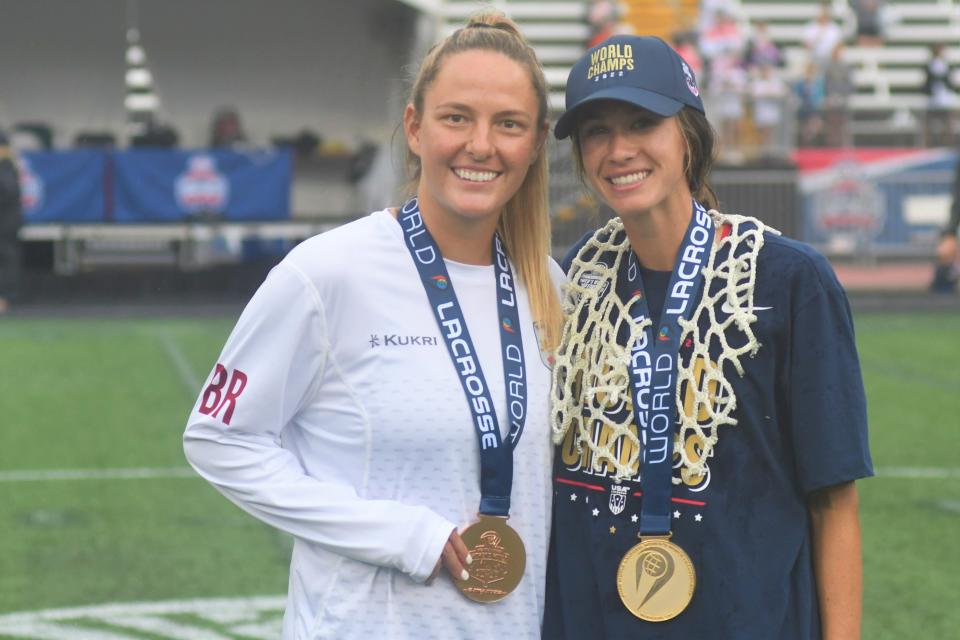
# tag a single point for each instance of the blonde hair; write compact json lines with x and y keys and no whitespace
{"x":524,"y":224}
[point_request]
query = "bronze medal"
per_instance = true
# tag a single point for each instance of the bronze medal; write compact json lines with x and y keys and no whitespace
{"x":656,"y":579}
{"x":499,"y":560}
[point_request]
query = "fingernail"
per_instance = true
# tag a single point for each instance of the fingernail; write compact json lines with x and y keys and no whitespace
{"x":469,"y":559}
{"x":464,"y":575}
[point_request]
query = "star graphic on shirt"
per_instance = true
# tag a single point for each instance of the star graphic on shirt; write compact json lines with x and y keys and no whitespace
{"x":596,"y":512}
{"x":676,"y":515}
{"x":374,"y":341}
{"x":613,"y":530}
{"x":573,"y":497}
{"x":633,"y":518}
{"x":698,"y":517}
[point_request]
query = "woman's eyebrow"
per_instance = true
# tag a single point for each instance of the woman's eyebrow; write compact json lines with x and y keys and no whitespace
{"x":459,"y":106}
{"x":512,"y":113}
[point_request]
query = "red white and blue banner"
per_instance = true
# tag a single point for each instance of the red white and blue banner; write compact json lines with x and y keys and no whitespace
{"x":170,"y":186}
{"x":62,"y":186}
{"x":874,"y":200}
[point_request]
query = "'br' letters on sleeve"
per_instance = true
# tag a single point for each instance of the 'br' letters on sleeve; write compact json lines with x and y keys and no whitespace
{"x":221,"y":395}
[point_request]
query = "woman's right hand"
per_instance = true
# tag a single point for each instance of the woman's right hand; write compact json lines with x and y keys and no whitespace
{"x":455,"y":557}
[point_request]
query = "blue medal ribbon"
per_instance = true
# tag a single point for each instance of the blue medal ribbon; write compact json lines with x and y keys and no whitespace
{"x":496,"y":456}
{"x":653,"y":367}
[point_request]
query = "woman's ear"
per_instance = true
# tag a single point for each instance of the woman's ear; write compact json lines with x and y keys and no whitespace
{"x":411,"y":128}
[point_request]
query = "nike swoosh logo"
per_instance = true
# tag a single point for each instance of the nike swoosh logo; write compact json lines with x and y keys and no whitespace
{"x":726,"y":308}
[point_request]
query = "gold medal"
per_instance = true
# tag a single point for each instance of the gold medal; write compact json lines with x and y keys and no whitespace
{"x":499,"y":560}
{"x":656,"y":579}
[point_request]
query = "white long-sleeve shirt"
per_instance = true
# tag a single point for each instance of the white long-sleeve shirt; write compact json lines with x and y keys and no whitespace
{"x":335,"y":414}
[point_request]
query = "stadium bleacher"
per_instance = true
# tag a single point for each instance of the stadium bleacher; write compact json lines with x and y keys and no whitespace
{"x":888,"y":79}
{"x":889,"y":94}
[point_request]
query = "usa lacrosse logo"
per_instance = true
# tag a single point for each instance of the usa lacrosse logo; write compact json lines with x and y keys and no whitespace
{"x":618,"y":498}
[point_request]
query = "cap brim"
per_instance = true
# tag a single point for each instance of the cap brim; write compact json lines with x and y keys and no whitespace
{"x":655,"y":102}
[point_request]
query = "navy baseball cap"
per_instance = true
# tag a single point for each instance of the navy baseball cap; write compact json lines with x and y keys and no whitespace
{"x":644,"y":71}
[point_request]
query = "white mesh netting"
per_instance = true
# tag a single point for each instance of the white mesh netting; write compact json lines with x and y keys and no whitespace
{"x":591,"y":382}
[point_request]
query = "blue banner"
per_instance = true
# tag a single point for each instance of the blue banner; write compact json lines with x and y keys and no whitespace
{"x":171,"y":186}
{"x":63,"y":186}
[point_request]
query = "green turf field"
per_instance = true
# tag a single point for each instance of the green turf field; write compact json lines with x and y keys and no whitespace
{"x":97,"y":505}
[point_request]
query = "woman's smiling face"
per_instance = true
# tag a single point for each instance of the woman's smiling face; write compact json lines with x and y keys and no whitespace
{"x":477,"y":136}
{"x":633,"y":158}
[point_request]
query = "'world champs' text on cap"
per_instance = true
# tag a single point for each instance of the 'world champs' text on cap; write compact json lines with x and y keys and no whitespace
{"x":644,"y":71}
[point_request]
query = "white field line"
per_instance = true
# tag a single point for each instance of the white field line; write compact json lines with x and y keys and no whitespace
{"x":159,"y":626}
{"x":238,"y":608}
{"x":188,"y":378}
{"x":127,"y":621}
{"x":41,"y":630}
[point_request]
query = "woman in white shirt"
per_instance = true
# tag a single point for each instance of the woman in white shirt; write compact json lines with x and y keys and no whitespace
{"x":391,"y":375}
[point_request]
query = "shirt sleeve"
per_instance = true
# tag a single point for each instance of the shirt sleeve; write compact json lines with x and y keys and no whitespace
{"x":828,"y":411}
{"x":270,"y":367}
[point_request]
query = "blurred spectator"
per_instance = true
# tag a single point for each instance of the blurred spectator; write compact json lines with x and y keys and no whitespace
{"x":837,"y":89}
{"x":722,"y":41}
{"x":709,"y":10}
{"x":869,"y":16}
{"x":946,"y":273}
{"x":940,"y":98}
{"x":809,"y":92}
{"x":722,"y":48}
{"x":761,"y":49}
{"x":685,"y":44}
{"x":727,"y":86}
{"x":604,"y":17}
{"x":226,"y":130}
{"x":821,"y":36}
{"x":768,"y":92}
{"x":10,"y":221}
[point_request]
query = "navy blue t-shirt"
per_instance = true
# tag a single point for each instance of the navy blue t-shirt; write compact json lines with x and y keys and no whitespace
{"x":655,"y":285}
{"x":801,"y":415}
